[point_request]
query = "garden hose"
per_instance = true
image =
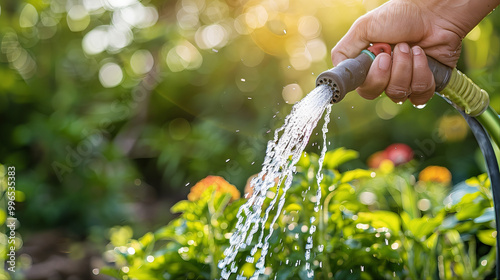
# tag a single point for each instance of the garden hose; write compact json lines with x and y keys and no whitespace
{"x":492,"y":167}
{"x":455,"y":87}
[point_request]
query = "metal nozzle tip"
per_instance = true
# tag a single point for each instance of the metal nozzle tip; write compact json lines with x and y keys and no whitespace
{"x":328,"y":81}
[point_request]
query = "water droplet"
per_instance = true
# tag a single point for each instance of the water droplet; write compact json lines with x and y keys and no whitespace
{"x":422,"y":106}
{"x":400,"y":103}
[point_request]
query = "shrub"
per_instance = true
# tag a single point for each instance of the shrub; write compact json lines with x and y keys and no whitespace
{"x":373,"y":224}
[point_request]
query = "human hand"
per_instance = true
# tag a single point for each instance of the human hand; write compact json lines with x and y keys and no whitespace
{"x":416,"y":29}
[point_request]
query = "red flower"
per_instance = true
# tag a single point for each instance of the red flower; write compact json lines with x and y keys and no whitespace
{"x":397,"y":153}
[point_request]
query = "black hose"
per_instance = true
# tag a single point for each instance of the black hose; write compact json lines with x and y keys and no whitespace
{"x":484,"y":142}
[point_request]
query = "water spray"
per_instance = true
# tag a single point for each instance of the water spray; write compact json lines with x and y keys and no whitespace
{"x":451,"y":84}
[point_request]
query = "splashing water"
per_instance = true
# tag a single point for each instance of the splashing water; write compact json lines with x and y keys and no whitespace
{"x":282,"y":153}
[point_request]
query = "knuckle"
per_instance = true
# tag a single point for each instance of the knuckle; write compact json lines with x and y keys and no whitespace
{"x":370,"y":95}
{"x":422,"y":87}
{"x":396,"y":91}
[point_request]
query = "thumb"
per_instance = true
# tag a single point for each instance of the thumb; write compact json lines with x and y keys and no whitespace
{"x":353,"y":42}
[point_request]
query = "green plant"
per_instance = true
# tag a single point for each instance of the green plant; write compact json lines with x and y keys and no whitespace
{"x":373,"y":224}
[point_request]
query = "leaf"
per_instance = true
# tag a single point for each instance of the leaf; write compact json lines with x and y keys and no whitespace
{"x":471,"y":211}
{"x":293,"y":207}
{"x":351,"y":175}
{"x":339,"y":156}
{"x":421,"y":227}
{"x":181,"y":206}
{"x":469,"y":198}
{"x":113,"y":272}
{"x":486,"y":236}
{"x":380,"y":219}
{"x":487,"y":216}
{"x":147,"y":239}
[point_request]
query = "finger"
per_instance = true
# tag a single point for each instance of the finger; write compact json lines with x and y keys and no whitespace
{"x":377,"y":78}
{"x":398,"y":89}
{"x":422,"y":84}
{"x":353,"y":42}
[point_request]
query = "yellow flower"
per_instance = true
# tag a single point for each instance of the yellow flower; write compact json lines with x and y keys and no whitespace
{"x":386,"y":166}
{"x":434,"y":173}
{"x":218,"y":183}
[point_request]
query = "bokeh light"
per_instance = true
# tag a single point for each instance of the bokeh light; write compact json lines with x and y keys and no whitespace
{"x":141,"y":62}
{"x":309,"y":26}
{"x":110,"y":75}
{"x":184,"y":56}
{"x":247,"y":79}
{"x":453,"y":128}
{"x":119,"y":37}
{"x":92,"y":5}
{"x":78,"y":18}
{"x":211,"y":36}
{"x":386,"y":109}
{"x":96,"y":41}
{"x":251,"y":55}
{"x":179,"y":128}
{"x":135,"y":15}
{"x":28,"y":17}
{"x":256,"y":17}
{"x":292,"y":93}
{"x":19,"y":59}
{"x":119,"y":3}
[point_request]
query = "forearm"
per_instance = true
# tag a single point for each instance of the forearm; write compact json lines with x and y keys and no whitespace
{"x":463,"y":14}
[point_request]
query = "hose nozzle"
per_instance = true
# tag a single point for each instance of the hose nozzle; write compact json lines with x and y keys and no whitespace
{"x":451,"y":83}
{"x":346,"y":76}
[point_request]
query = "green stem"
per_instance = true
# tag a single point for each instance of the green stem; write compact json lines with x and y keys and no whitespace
{"x":213,"y":215}
{"x":490,"y":263}
{"x":491,"y":122}
{"x":323,"y":223}
{"x":408,"y":197}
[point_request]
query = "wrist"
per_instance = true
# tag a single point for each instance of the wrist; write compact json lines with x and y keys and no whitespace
{"x":461,"y":15}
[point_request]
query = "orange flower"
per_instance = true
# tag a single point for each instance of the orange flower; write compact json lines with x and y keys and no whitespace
{"x":218,"y":183}
{"x":434,"y":173}
{"x":249,"y":188}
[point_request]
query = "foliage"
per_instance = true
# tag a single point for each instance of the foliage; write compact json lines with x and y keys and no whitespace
{"x":10,"y":239}
{"x":373,"y":224}
{"x":92,"y":100}
{"x":109,"y":105}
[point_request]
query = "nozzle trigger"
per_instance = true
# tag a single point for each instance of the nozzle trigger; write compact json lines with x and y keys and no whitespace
{"x":379,"y":48}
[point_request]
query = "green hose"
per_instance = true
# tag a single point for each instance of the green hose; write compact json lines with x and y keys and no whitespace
{"x":474,"y":101}
{"x":491,"y":122}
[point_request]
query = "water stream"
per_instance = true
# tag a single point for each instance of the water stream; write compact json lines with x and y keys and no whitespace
{"x":282,"y":153}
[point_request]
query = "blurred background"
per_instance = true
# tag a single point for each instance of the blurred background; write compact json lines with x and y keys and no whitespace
{"x":110,"y":110}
